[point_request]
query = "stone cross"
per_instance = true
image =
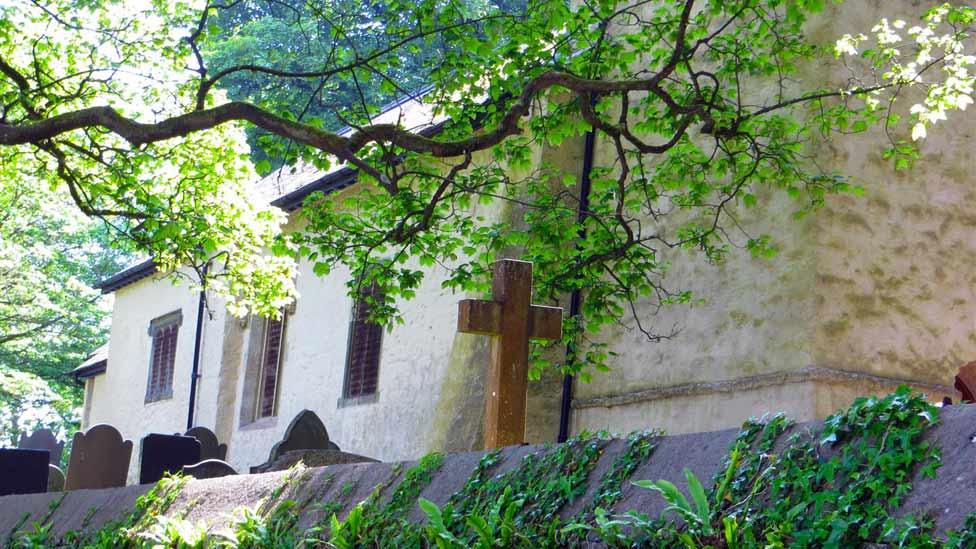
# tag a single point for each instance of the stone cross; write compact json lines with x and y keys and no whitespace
{"x":511,"y":320}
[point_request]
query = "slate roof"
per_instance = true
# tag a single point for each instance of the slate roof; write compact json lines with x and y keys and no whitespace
{"x":95,"y":364}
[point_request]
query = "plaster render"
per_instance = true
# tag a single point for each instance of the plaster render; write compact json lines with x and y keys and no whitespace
{"x":118,"y":396}
{"x":878,"y":284}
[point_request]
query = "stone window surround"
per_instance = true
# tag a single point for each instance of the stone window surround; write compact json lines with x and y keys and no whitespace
{"x":254,"y":342}
{"x":344,"y":400}
{"x":165,"y":321}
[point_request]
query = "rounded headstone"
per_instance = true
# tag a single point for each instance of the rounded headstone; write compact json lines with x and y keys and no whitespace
{"x":99,"y":459}
{"x":209,"y":468}
{"x":55,"y":479}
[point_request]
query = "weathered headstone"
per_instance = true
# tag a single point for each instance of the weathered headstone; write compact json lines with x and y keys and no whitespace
{"x":305,"y":432}
{"x":209,"y":468}
{"x":99,"y":459}
{"x":55,"y":479}
{"x":43,"y":439}
{"x":163,"y":454}
{"x":511,"y":320}
{"x":966,"y":382}
{"x":210,"y":447}
{"x":23,"y":471}
{"x":316,"y":458}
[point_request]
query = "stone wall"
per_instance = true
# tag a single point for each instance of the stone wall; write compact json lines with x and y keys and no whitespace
{"x":948,"y":498}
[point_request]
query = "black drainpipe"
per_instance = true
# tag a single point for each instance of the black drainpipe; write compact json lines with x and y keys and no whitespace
{"x":198,"y":340}
{"x":576,"y":297}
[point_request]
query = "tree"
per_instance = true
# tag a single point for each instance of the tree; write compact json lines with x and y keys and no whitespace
{"x":50,"y":317}
{"x":28,"y":403}
{"x":123,"y":109}
{"x":295,"y":38}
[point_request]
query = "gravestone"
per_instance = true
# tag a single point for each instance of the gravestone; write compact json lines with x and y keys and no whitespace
{"x":209,"y":468}
{"x":163,"y":454}
{"x":511,"y":320}
{"x":55,"y":479}
{"x":23,"y":471}
{"x":43,"y":439}
{"x":210,"y":447}
{"x":316,"y":458}
{"x":99,"y":459}
{"x":966,"y":382}
{"x":305,"y":432}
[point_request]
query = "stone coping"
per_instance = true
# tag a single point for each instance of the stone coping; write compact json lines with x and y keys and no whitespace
{"x":948,"y":498}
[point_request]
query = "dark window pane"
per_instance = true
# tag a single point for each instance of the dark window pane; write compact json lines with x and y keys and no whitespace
{"x":271,"y":362}
{"x":363,"y":355}
{"x":162,"y":357}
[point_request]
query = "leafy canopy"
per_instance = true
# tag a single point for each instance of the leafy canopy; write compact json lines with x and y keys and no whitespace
{"x":696,"y":104}
{"x":50,"y":318}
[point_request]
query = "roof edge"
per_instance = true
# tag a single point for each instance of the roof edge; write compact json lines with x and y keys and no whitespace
{"x":91,"y":370}
{"x":128,"y":276}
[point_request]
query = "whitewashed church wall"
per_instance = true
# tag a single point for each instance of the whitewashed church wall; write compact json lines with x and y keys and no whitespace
{"x":119,"y":395}
{"x":870,"y":292}
{"x":431,"y":379}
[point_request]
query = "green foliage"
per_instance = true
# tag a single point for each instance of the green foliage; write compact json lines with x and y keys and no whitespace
{"x":374,"y":522}
{"x":838,"y":490}
{"x":640,"y":446}
{"x":541,"y":485}
{"x":295,"y":38}
{"x":28,"y":402}
{"x":276,"y":530}
{"x":676,"y":98}
{"x":497,"y":528}
{"x":836,"y":487}
{"x":697,"y":514}
{"x":144,"y":526}
{"x":50,"y":319}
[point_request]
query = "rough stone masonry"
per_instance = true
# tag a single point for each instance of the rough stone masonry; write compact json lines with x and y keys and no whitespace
{"x":948,"y":498}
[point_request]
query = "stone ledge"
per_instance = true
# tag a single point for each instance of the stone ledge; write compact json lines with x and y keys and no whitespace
{"x":805,"y":374}
{"x":948,"y":498}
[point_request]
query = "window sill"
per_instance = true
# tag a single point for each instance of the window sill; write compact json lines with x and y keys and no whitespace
{"x":257,"y":425}
{"x":345,"y":402}
{"x":158,"y":400}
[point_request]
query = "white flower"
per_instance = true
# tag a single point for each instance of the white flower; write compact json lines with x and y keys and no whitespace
{"x":918,"y":131}
{"x":847,"y":44}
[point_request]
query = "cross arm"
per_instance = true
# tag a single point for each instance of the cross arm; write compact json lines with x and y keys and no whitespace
{"x":545,"y":322}
{"x":476,"y":316}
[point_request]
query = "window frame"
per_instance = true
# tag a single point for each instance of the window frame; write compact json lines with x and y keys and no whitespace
{"x":157,"y":391}
{"x":259,"y":400}
{"x":349,"y":398}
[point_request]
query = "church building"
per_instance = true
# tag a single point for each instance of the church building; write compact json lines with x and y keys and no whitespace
{"x":868,"y":293}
